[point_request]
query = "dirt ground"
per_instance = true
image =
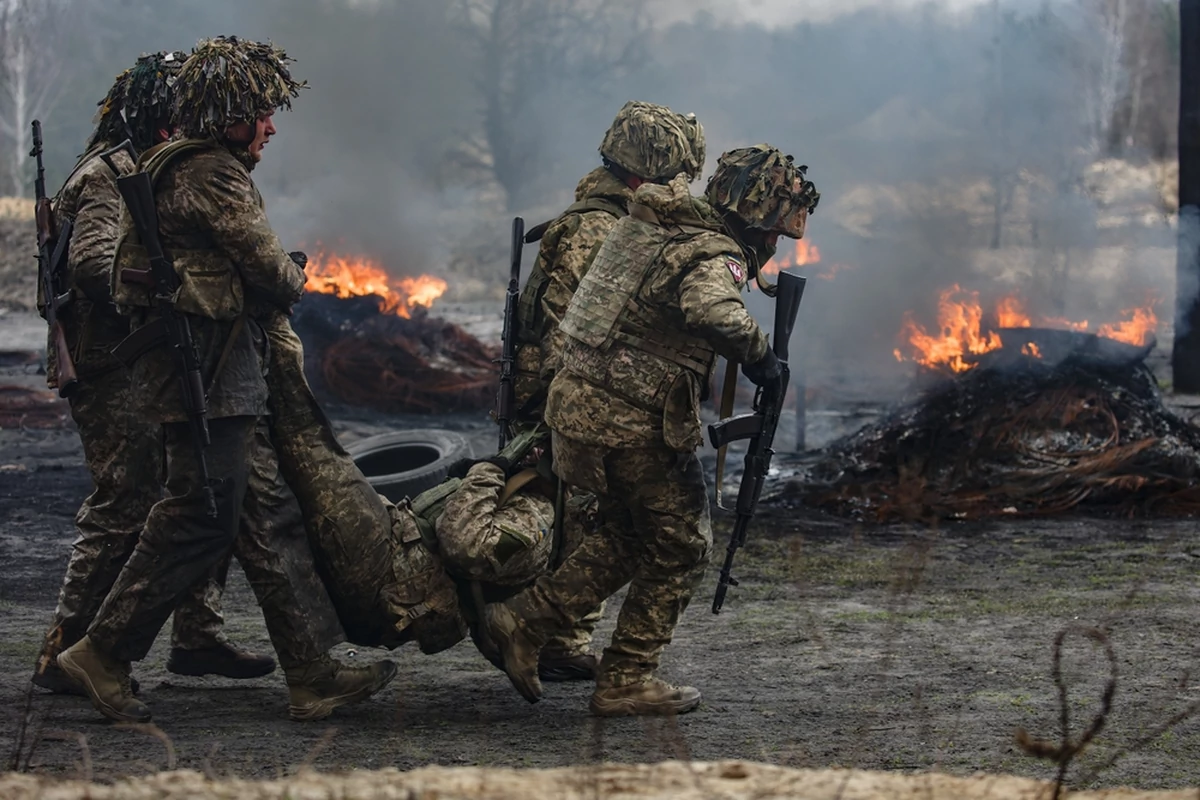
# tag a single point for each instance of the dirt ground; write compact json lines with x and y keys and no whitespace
{"x":885,"y":648}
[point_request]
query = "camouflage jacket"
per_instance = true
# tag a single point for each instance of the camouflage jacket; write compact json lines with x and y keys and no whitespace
{"x":567,"y":248}
{"x":689,"y":292}
{"x":89,"y":199}
{"x":234,"y":270}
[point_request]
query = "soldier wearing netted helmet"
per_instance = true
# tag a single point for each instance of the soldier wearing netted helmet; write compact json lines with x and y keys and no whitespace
{"x":120,"y":448}
{"x":235,"y":278}
{"x":661,"y":299}
{"x":646,"y":143}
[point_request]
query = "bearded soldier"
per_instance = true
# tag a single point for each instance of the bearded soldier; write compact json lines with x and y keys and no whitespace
{"x":120,"y":448}
{"x":661,"y":299}
{"x":234,"y":276}
{"x":646,"y":143}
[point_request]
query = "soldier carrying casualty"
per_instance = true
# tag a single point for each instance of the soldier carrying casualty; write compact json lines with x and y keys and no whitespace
{"x":661,"y":300}
{"x":120,"y":447}
{"x":646,"y":143}
{"x":197,"y":262}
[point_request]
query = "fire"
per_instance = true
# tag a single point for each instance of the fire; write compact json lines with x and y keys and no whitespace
{"x":1137,"y":330}
{"x":357,"y":276}
{"x":959,"y":333}
{"x":962,"y":331}
{"x":805,"y":253}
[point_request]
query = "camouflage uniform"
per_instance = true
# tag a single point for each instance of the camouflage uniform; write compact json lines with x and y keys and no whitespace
{"x":233,"y":271}
{"x":120,"y":448}
{"x":646,"y":141}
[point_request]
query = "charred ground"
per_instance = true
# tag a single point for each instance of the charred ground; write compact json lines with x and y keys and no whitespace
{"x":894,"y":647}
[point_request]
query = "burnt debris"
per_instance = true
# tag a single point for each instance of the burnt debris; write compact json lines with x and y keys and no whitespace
{"x":1077,"y":422}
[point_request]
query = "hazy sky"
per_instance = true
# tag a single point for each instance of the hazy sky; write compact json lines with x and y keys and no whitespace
{"x":783,"y":12}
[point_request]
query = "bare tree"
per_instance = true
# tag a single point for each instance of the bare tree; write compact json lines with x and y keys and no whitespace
{"x":30,"y":67}
{"x":525,"y":50}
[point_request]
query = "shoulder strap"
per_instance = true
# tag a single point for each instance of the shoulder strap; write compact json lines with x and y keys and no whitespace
{"x":598,"y":203}
{"x":156,"y":160}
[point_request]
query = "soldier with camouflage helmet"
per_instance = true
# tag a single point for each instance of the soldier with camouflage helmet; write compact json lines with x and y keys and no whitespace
{"x":120,"y":448}
{"x":661,"y":300}
{"x":646,"y":143}
{"x":235,"y":279}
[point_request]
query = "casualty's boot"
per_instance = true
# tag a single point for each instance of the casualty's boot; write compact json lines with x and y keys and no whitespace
{"x":519,"y":651}
{"x":651,"y":698}
{"x":105,"y":680}
{"x":221,"y":659}
{"x":558,"y":667}
{"x":315,"y":689}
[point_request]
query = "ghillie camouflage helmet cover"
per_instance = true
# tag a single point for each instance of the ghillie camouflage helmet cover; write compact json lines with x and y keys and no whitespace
{"x":139,"y":101}
{"x":654,"y":143}
{"x":765,"y":189}
{"x":228,"y":80}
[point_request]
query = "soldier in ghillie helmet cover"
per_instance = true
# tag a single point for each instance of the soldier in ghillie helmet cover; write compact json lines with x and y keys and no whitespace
{"x":121,"y":449}
{"x":234,"y":279}
{"x":661,"y":299}
{"x":646,"y":143}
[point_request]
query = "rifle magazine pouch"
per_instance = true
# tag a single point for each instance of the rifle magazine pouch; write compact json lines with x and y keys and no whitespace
{"x":209,"y":285}
{"x":130,"y":259}
{"x":681,"y":414}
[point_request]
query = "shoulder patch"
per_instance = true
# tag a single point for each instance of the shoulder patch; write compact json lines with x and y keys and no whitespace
{"x":736,"y":268}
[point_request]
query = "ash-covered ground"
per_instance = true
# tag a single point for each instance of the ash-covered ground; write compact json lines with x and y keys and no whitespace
{"x":874,"y":646}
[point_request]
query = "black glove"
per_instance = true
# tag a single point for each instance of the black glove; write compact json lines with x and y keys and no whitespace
{"x":299,"y":258}
{"x":500,"y":461}
{"x":764,"y":371}
{"x":460,"y":468}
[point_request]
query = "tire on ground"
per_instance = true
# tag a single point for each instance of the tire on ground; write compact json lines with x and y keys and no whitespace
{"x":406,"y":463}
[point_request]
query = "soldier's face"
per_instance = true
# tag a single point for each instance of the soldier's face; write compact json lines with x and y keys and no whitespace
{"x":264,"y":129}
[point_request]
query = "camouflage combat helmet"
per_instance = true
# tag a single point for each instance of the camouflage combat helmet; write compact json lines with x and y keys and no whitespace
{"x":654,"y":143}
{"x":139,"y":101}
{"x":764,"y":189}
{"x":228,"y":80}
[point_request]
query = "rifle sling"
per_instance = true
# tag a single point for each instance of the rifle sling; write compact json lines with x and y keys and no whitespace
{"x":238,"y":325}
{"x":728,"y":391}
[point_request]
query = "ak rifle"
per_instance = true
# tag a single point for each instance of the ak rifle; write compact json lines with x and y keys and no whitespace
{"x":506,"y":399}
{"x":53,"y":281}
{"x":759,"y":427}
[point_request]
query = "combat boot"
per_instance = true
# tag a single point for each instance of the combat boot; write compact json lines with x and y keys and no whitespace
{"x":519,"y":651}
{"x":105,"y":680}
{"x":562,"y":667}
{"x":221,"y":659}
{"x":315,"y":689}
{"x":651,"y":698}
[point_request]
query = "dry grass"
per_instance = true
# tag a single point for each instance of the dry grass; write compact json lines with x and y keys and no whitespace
{"x":16,"y":208}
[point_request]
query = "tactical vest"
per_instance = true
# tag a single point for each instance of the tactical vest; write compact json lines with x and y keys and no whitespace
{"x":609,"y":323}
{"x":209,"y":283}
{"x":531,"y":328}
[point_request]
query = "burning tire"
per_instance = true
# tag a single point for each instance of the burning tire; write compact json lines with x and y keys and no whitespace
{"x":406,"y":463}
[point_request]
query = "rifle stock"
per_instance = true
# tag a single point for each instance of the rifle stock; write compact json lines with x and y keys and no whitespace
{"x":759,"y":428}
{"x":53,"y":280}
{"x":506,"y":396}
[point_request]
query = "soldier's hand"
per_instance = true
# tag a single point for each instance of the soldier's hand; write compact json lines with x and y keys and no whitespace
{"x":299,"y":257}
{"x":460,"y":468}
{"x":764,"y":371}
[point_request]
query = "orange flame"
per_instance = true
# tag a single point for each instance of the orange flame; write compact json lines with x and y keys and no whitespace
{"x":1010,"y":313}
{"x":357,"y":276}
{"x":959,"y":333}
{"x":1137,"y":330}
{"x":805,"y":253}
{"x":1031,"y":349}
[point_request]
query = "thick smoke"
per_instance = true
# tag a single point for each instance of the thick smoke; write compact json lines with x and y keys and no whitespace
{"x":953,"y":142}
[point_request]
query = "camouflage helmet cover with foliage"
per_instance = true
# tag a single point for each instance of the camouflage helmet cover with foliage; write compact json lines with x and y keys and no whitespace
{"x":654,"y":143}
{"x":765,"y":189}
{"x":139,"y":102}
{"x":228,"y":80}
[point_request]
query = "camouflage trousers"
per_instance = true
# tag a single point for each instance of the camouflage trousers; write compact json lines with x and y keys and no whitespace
{"x":123,"y":455}
{"x":577,"y":639}
{"x":656,"y":536}
{"x":257,"y":517}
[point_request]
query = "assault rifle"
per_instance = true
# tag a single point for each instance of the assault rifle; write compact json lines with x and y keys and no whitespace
{"x":52,"y":271}
{"x":506,"y":398}
{"x":759,"y":428}
{"x":171,"y":326}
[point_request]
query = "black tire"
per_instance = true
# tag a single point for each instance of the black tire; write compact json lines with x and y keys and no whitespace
{"x":406,"y":463}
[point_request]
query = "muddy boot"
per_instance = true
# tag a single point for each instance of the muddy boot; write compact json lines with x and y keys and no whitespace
{"x":222,"y":659}
{"x":652,"y":698}
{"x":520,"y":653}
{"x":315,"y":689}
{"x":562,"y":667}
{"x":105,"y":680}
